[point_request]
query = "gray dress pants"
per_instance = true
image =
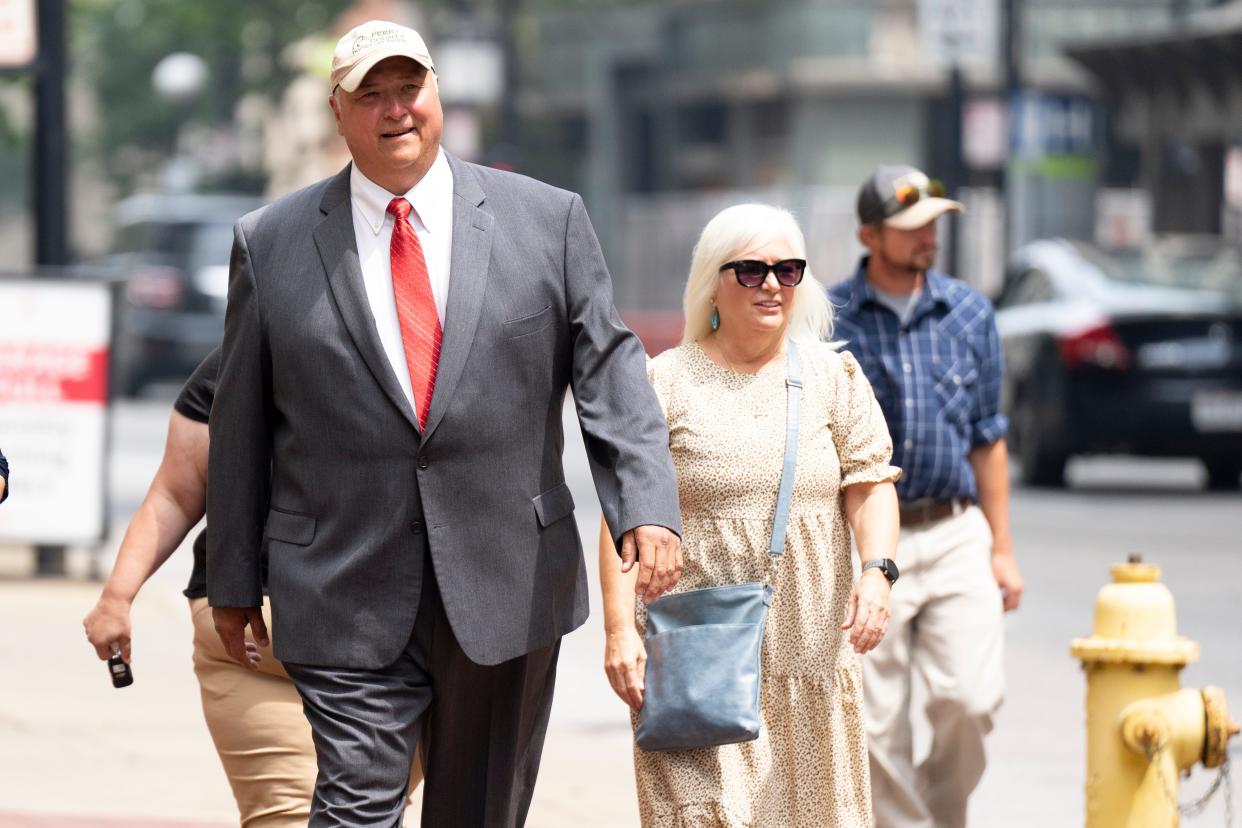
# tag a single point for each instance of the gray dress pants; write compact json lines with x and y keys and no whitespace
{"x":480,"y":731}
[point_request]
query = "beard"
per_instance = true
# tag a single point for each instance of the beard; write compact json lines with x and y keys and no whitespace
{"x":921,"y":260}
{"x":913,"y":263}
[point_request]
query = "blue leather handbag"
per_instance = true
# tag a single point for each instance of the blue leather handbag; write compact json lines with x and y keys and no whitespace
{"x":704,"y":646}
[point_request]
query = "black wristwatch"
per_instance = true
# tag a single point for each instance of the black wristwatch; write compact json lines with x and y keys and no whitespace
{"x":886,"y":565}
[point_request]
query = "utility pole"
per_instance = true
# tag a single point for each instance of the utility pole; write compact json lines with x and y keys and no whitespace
{"x":509,"y":126}
{"x":48,"y":185}
{"x":1011,"y":54}
{"x":50,"y":142}
{"x":955,"y":174}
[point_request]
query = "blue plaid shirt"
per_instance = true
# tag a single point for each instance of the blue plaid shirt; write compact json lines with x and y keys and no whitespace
{"x":937,"y":377}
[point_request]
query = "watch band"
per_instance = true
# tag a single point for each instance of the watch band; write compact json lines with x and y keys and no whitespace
{"x":886,"y":566}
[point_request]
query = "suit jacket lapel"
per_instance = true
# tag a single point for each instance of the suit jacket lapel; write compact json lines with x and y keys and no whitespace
{"x":339,"y":251}
{"x":470,"y":257}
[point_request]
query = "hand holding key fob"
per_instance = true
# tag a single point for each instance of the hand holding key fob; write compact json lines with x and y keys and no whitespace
{"x":122,"y":676}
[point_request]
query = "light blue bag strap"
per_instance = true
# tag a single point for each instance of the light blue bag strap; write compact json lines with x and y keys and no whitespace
{"x":793,"y":386}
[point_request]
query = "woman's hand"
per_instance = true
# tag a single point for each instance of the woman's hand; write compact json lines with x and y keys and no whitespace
{"x":625,"y":662}
{"x":867,"y":616}
{"x":107,"y":626}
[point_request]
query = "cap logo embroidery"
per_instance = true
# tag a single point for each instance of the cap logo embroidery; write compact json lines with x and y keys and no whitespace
{"x":369,"y":41}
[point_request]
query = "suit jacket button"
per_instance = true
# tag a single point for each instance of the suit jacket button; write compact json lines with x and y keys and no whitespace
{"x":416,"y":527}
{"x":423,"y":462}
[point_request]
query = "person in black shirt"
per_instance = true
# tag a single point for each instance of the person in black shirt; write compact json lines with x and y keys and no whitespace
{"x":4,"y":477}
{"x":254,"y":716}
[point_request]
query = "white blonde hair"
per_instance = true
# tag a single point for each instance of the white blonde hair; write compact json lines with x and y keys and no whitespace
{"x":737,"y":230}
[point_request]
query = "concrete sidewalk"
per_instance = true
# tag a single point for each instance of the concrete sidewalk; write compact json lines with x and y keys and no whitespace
{"x":77,"y":753}
{"x":53,"y":821}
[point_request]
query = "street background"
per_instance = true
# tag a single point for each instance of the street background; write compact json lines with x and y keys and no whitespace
{"x":73,"y":749}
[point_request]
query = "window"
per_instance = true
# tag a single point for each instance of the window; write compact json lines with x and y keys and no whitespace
{"x":1031,"y":287}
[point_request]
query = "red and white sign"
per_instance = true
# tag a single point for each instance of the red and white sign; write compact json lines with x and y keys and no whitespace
{"x":54,"y":343}
{"x":18,"y":40}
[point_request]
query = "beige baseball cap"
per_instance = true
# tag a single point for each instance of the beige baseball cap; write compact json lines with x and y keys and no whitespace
{"x":903,"y":197}
{"x":366,"y":45}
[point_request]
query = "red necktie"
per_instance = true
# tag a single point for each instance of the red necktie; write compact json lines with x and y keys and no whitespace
{"x":416,"y":308}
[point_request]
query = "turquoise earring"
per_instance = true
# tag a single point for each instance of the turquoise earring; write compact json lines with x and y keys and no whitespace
{"x":715,"y":320}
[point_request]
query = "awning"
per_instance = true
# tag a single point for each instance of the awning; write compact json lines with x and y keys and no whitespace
{"x":1204,"y":58}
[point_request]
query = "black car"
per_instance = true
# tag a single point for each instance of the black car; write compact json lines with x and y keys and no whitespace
{"x":1135,"y":352}
{"x":173,"y":253}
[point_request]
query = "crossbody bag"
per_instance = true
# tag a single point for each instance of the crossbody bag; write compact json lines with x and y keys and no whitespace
{"x":704,"y":646}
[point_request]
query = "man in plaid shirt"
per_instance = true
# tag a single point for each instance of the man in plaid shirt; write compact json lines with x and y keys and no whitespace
{"x":928,"y":344}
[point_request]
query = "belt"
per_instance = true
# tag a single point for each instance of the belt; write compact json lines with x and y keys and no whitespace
{"x":916,"y":513}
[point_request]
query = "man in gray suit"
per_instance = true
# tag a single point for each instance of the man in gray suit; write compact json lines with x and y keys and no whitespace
{"x":398,"y":344}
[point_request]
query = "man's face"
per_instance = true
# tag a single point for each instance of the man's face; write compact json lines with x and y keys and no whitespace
{"x":913,"y":251}
{"x":391,"y":123}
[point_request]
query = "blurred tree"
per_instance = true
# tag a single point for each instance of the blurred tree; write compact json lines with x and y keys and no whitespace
{"x":116,"y":45}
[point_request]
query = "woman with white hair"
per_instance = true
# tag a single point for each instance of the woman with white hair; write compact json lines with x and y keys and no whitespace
{"x":723,"y":391}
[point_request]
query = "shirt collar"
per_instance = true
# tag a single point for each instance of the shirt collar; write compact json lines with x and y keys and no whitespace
{"x":934,"y":287}
{"x":426,"y":197}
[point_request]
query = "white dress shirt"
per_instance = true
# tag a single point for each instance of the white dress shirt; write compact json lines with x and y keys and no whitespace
{"x":432,"y":219}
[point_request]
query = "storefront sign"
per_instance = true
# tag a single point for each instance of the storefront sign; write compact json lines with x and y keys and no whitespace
{"x":54,"y":347}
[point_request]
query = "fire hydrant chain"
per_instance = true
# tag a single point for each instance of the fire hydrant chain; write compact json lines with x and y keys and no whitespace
{"x":1195,"y":808}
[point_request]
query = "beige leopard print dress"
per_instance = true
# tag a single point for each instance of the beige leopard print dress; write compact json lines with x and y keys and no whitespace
{"x":727,"y":435}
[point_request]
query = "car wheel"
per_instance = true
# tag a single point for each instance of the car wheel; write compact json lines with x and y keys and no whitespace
{"x":1043,"y":460}
{"x":1223,"y":474}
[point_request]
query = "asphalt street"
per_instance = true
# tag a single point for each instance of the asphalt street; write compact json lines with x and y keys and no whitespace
{"x":71,"y":745}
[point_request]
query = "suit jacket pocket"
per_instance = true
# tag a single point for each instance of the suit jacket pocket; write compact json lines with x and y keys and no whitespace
{"x":532,"y":323}
{"x":554,"y":504}
{"x":290,"y":527}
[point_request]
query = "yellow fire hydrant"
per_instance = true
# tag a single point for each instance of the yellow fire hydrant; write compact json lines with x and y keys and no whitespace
{"x":1142,"y":729}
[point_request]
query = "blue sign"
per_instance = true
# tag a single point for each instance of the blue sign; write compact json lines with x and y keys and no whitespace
{"x":1044,"y":124}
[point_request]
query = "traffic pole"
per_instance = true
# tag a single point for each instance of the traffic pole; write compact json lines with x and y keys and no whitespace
{"x":50,"y":196}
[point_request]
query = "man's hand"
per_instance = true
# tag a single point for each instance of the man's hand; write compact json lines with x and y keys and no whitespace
{"x":658,"y":553}
{"x":1008,"y":578}
{"x":107,"y":626}
{"x":231,"y":623}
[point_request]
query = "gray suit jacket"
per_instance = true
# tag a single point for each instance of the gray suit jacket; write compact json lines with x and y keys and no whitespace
{"x":316,"y":454}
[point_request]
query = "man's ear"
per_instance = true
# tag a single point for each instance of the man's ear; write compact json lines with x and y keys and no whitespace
{"x":868,"y":235}
{"x":336,"y":110}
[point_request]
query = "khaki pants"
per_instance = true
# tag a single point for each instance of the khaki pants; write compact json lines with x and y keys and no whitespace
{"x":947,"y":629}
{"x":256,"y":721}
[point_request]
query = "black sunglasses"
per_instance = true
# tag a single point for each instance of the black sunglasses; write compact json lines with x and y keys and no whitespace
{"x":752,"y":273}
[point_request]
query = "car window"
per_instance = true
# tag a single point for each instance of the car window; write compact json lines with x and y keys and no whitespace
{"x":1029,"y":288}
{"x":132,"y":238}
{"x":155,"y":237}
{"x":194,"y":244}
{"x":212,"y":245}
{"x":1209,"y":268}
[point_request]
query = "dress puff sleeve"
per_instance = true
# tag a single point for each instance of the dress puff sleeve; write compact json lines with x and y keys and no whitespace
{"x":859,"y":430}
